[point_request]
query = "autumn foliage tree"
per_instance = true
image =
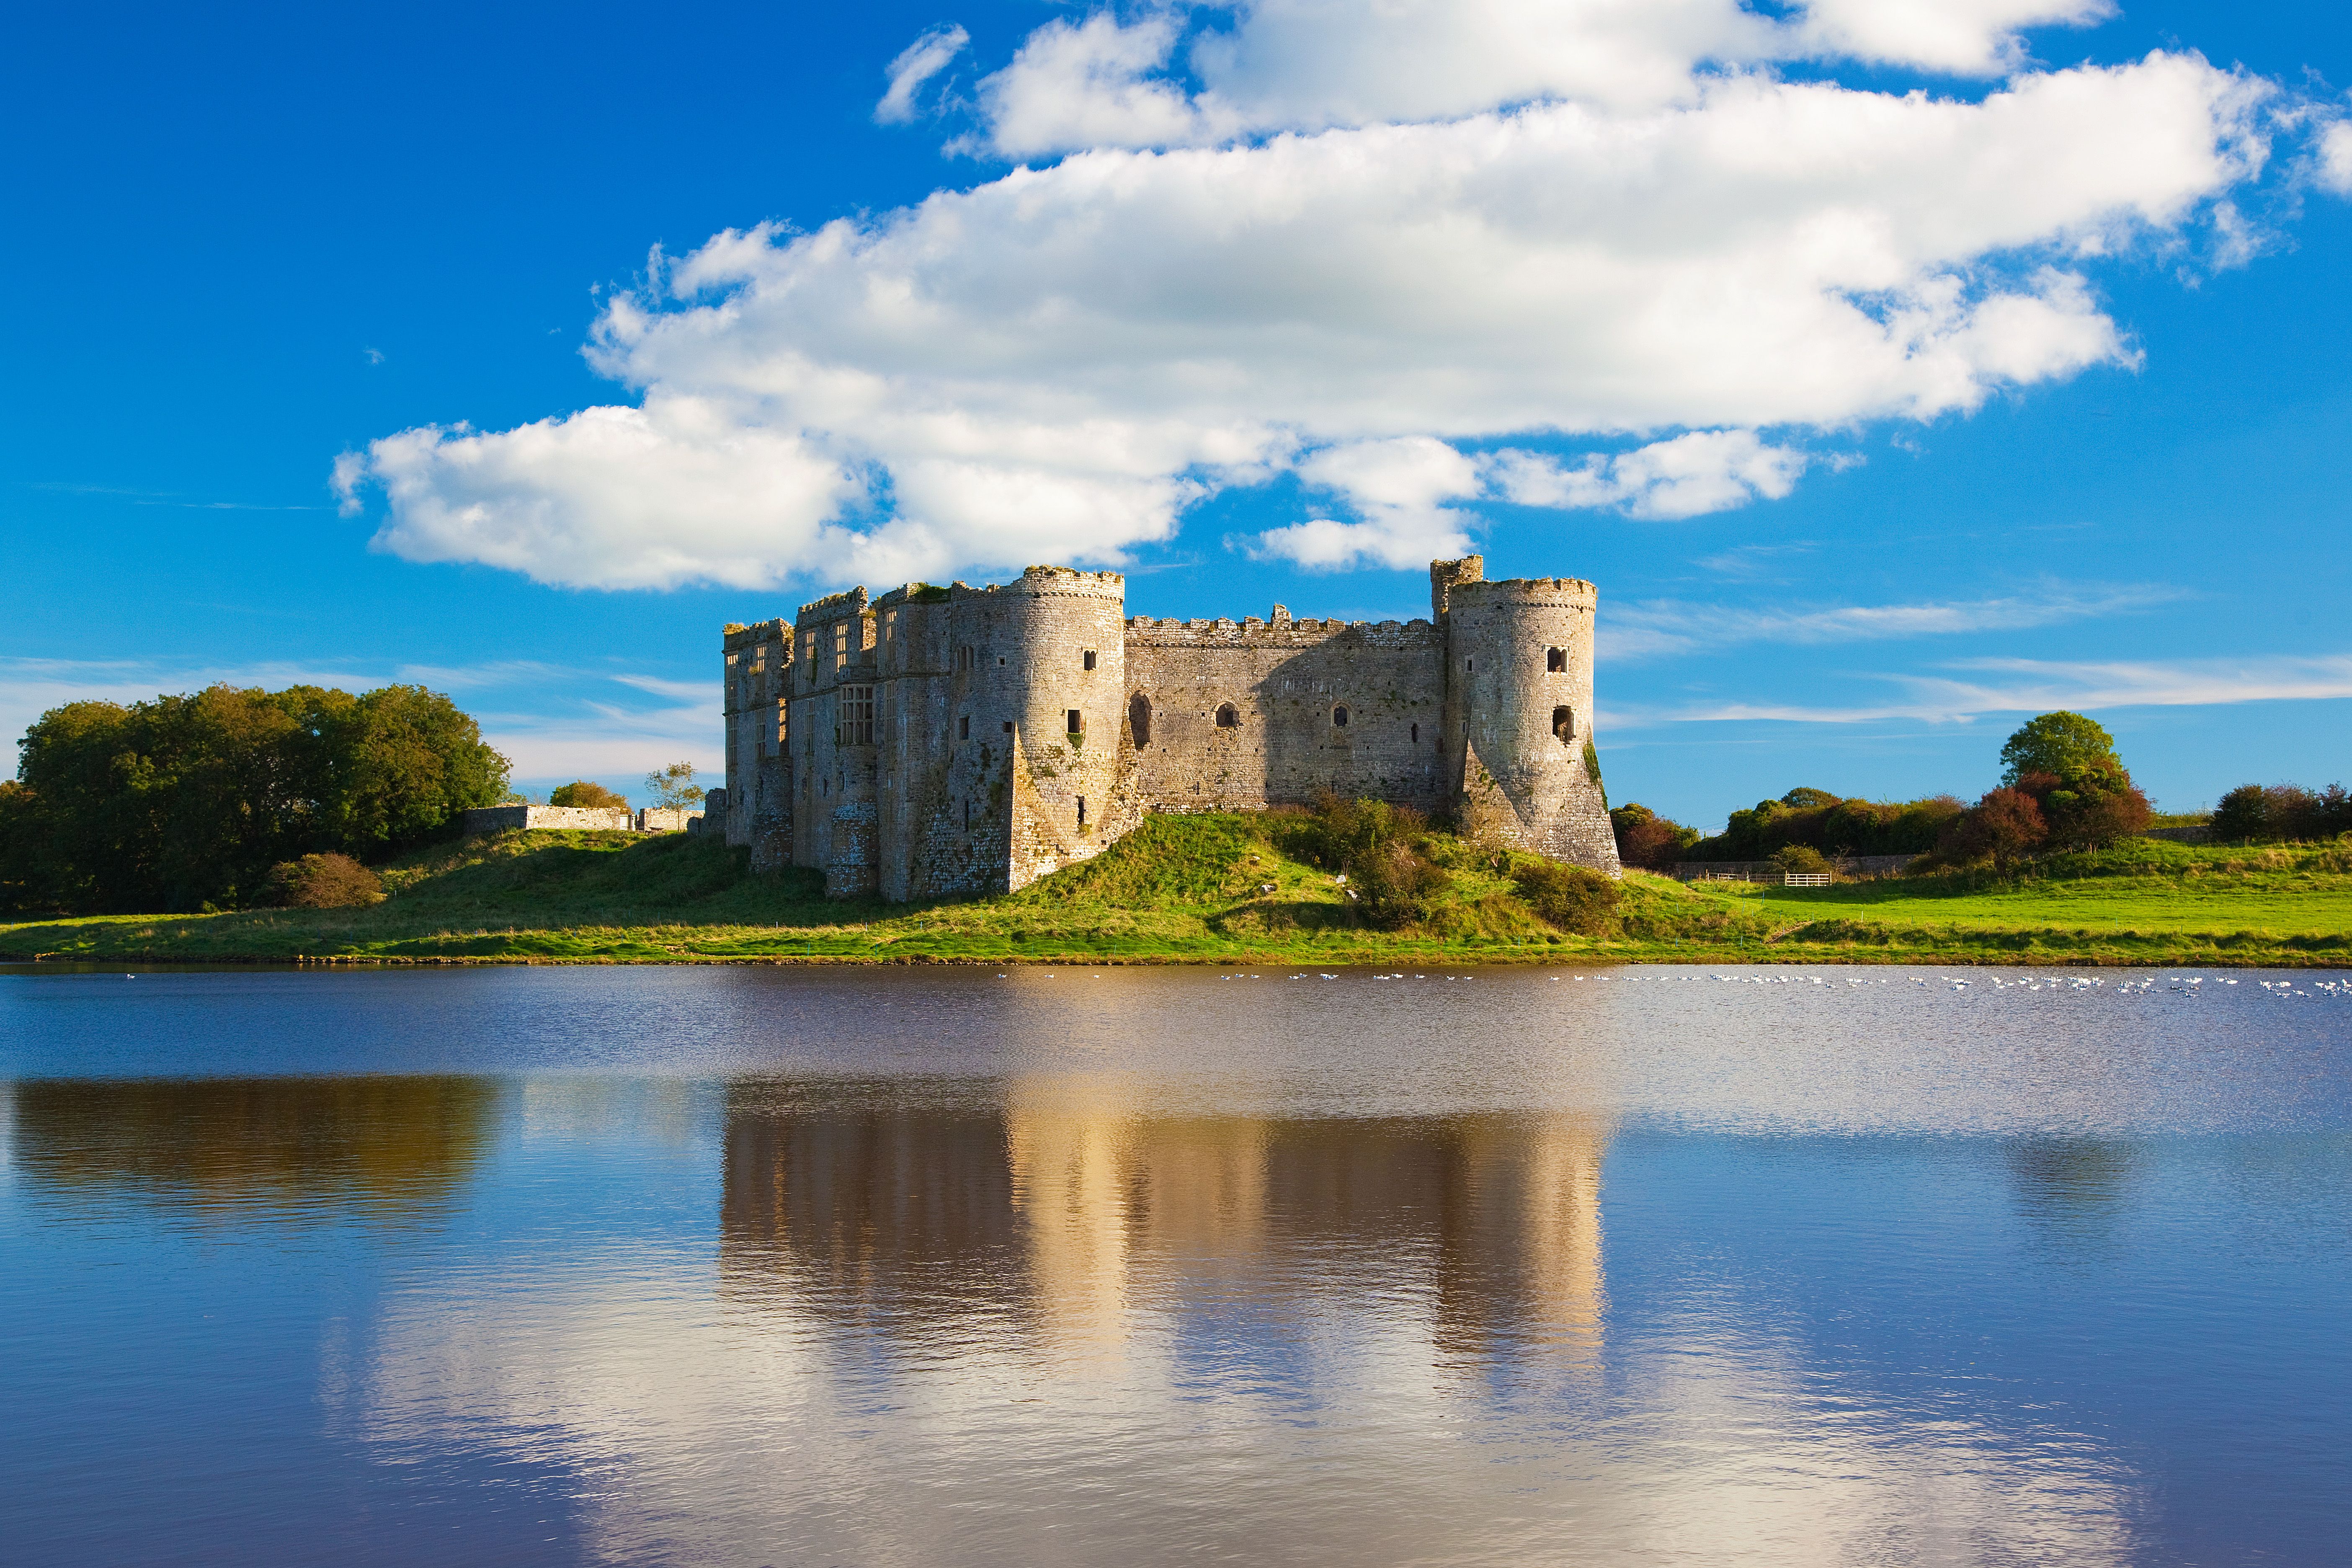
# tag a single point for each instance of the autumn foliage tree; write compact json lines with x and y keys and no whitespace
{"x":1648,"y":840}
{"x":2063,"y":788}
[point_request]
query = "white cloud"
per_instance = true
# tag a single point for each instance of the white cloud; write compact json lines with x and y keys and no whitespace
{"x":1309,"y":65}
{"x":1703,"y":471}
{"x":2336,"y":158}
{"x":1399,"y":487}
{"x":1057,"y":364}
{"x":917,"y":63}
{"x":1666,"y":629}
{"x":2031,"y":686}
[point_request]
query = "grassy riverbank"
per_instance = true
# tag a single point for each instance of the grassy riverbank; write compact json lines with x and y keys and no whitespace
{"x":1193,"y":890}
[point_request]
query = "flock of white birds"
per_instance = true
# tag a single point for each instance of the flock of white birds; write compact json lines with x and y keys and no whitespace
{"x":2180,"y":985}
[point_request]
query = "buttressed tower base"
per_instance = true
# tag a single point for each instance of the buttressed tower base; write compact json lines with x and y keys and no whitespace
{"x":938,"y":741}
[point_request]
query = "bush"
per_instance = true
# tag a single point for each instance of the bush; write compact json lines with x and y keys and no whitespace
{"x":2004,"y":827}
{"x":1801,"y":858}
{"x":324,"y":882}
{"x":1833,"y":826}
{"x":581,"y":791}
{"x":2273,"y":812}
{"x":1569,"y":896}
{"x":1379,"y":848}
{"x":1646,"y":840}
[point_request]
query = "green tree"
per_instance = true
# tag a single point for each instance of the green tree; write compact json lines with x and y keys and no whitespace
{"x":2055,"y":743}
{"x":582,"y":792}
{"x":187,"y":801}
{"x":674,"y":785}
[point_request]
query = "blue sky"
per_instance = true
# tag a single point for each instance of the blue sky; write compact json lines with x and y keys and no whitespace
{"x":2101,"y":467}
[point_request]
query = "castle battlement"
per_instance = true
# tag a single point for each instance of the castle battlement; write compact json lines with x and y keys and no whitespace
{"x":934,"y":741}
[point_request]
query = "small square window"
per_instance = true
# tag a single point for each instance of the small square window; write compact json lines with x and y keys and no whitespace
{"x":1555,"y":661}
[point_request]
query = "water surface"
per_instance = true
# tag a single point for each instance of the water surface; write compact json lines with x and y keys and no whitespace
{"x":743,"y":1266}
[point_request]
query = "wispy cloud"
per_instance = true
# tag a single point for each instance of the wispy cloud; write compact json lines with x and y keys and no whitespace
{"x":161,"y":498}
{"x":1663,"y":628}
{"x":2031,"y":686}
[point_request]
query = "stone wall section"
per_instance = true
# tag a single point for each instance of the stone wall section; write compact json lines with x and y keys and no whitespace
{"x":567,"y":818}
{"x":759,"y":797}
{"x":1314,"y":705}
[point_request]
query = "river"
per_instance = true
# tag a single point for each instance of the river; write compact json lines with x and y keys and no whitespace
{"x":1139,"y":1266}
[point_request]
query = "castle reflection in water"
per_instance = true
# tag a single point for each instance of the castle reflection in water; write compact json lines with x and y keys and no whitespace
{"x":1058,"y":1209}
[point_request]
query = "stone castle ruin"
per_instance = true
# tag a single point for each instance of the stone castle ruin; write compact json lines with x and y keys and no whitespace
{"x":938,"y":741}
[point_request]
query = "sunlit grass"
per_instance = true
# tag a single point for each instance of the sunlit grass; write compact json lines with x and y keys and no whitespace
{"x":1221,"y":887}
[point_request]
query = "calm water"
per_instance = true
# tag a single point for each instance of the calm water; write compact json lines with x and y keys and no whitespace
{"x":723,"y":1265}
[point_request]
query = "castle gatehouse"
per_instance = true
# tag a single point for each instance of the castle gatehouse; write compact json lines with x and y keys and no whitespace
{"x":935,"y":741}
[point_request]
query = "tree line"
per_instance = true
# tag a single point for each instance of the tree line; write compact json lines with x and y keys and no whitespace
{"x":190,"y":801}
{"x":2062,"y":787}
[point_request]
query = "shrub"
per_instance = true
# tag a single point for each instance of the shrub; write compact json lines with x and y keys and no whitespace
{"x":1395,"y":886}
{"x":1569,"y":896}
{"x":582,"y":792}
{"x":1800,"y":858}
{"x":2272,"y":812}
{"x":2004,"y":827}
{"x":1646,"y":840}
{"x":324,"y":882}
{"x":1834,"y":826}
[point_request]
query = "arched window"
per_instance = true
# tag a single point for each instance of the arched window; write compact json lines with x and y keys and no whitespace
{"x":1563,"y":725}
{"x":1228,"y":716}
{"x":1138,"y":718}
{"x":1340,"y":717}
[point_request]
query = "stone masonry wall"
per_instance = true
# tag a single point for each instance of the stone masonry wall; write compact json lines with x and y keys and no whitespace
{"x":1288,"y":683}
{"x":501,"y":818}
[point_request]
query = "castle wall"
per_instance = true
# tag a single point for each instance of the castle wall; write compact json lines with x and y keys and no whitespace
{"x":936,"y":743}
{"x":1288,"y":681}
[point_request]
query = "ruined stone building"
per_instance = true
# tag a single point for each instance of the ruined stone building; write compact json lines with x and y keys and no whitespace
{"x":935,"y":741}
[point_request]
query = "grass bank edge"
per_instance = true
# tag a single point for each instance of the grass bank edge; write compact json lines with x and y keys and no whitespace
{"x":1184,"y":889}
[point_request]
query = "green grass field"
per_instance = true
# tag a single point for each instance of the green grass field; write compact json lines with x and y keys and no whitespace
{"x":1192,"y":889}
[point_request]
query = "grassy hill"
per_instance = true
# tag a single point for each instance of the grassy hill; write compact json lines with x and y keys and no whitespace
{"x":1195,"y":888}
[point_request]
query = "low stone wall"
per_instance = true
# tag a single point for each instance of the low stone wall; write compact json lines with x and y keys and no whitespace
{"x":504,"y":818}
{"x":667,"y":819}
{"x":1765,"y":871}
{"x":2199,"y":832}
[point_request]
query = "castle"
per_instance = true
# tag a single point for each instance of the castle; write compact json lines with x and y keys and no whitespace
{"x":939,"y":742}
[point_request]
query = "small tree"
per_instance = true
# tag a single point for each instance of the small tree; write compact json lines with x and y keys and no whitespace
{"x":324,"y":882}
{"x":674,"y":786}
{"x":1802,"y":859}
{"x":1646,"y":840}
{"x":2055,"y":743}
{"x":582,"y":792}
{"x":2004,"y":827}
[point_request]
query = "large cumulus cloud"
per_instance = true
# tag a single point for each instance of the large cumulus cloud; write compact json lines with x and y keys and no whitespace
{"x":1271,"y":247}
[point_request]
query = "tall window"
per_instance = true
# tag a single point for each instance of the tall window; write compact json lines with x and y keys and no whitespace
{"x":1082,"y":811}
{"x":1563,"y":724}
{"x":1139,"y":719}
{"x":1090,"y":658}
{"x":854,"y":709}
{"x":963,"y":727}
{"x":1340,"y":716}
{"x":1077,"y":721}
{"x":1555,"y":661}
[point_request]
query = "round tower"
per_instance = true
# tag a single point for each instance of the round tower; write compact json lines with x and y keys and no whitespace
{"x":1062,"y":636}
{"x":1519,"y":688}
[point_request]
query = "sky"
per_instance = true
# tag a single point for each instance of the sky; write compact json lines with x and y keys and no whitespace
{"x":1897,"y":369}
